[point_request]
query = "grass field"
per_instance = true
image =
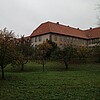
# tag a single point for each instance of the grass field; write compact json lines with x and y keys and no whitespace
{"x":79,"y":82}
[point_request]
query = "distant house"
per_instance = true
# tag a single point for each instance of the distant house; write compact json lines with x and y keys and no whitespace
{"x":63,"y":35}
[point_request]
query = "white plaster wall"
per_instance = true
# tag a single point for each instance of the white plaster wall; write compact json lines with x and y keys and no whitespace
{"x":43,"y":38}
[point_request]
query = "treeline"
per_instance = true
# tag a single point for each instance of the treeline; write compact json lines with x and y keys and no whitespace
{"x":18,"y":52}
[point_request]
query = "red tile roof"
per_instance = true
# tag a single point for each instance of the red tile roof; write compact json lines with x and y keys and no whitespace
{"x":65,"y":30}
{"x":93,"y":33}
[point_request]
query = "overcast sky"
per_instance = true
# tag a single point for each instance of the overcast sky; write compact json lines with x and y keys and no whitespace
{"x":23,"y":16}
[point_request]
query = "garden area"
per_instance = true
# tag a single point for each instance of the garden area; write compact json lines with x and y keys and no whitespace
{"x":79,"y":82}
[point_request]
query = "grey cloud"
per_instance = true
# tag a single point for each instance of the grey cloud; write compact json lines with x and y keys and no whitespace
{"x":23,"y":16}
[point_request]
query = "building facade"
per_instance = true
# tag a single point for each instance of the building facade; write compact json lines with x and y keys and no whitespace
{"x":63,"y":35}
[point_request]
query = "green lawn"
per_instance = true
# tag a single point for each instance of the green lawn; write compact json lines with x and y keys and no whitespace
{"x":79,"y":82}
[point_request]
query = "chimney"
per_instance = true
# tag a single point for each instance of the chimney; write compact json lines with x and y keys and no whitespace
{"x":77,"y":28}
{"x":58,"y":23}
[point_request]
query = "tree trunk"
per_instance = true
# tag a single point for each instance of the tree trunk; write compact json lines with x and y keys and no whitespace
{"x":43,"y":67}
{"x":99,"y":59}
{"x":66,"y":64}
{"x":2,"y":72}
{"x":22,"y":67}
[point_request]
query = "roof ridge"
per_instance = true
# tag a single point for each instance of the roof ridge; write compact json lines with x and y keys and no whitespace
{"x":92,"y":29}
{"x":70,"y":26}
{"x":63,"y":25}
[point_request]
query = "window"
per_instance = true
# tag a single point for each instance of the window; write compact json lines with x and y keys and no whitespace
{"x":67,"y":37}
{"x":71,"y":38}
{"x":35,"y":39}
{"x":89,"y":42}
{"x":64,"y":39}
{"x":60,"y":38}
{"x":40,"y":38}
{"x":96,"y":40}
{"x":93,"y":41}
{"x":84,"y":41}
{"x":74,"y":39}
{"x":55,"y":38}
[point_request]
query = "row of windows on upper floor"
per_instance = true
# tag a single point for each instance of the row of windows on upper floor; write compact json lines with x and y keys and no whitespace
{"x":66,"y":38}
{"x":61,"y":38}
{"x":93,"y":41}
{"x":39,"y":38}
